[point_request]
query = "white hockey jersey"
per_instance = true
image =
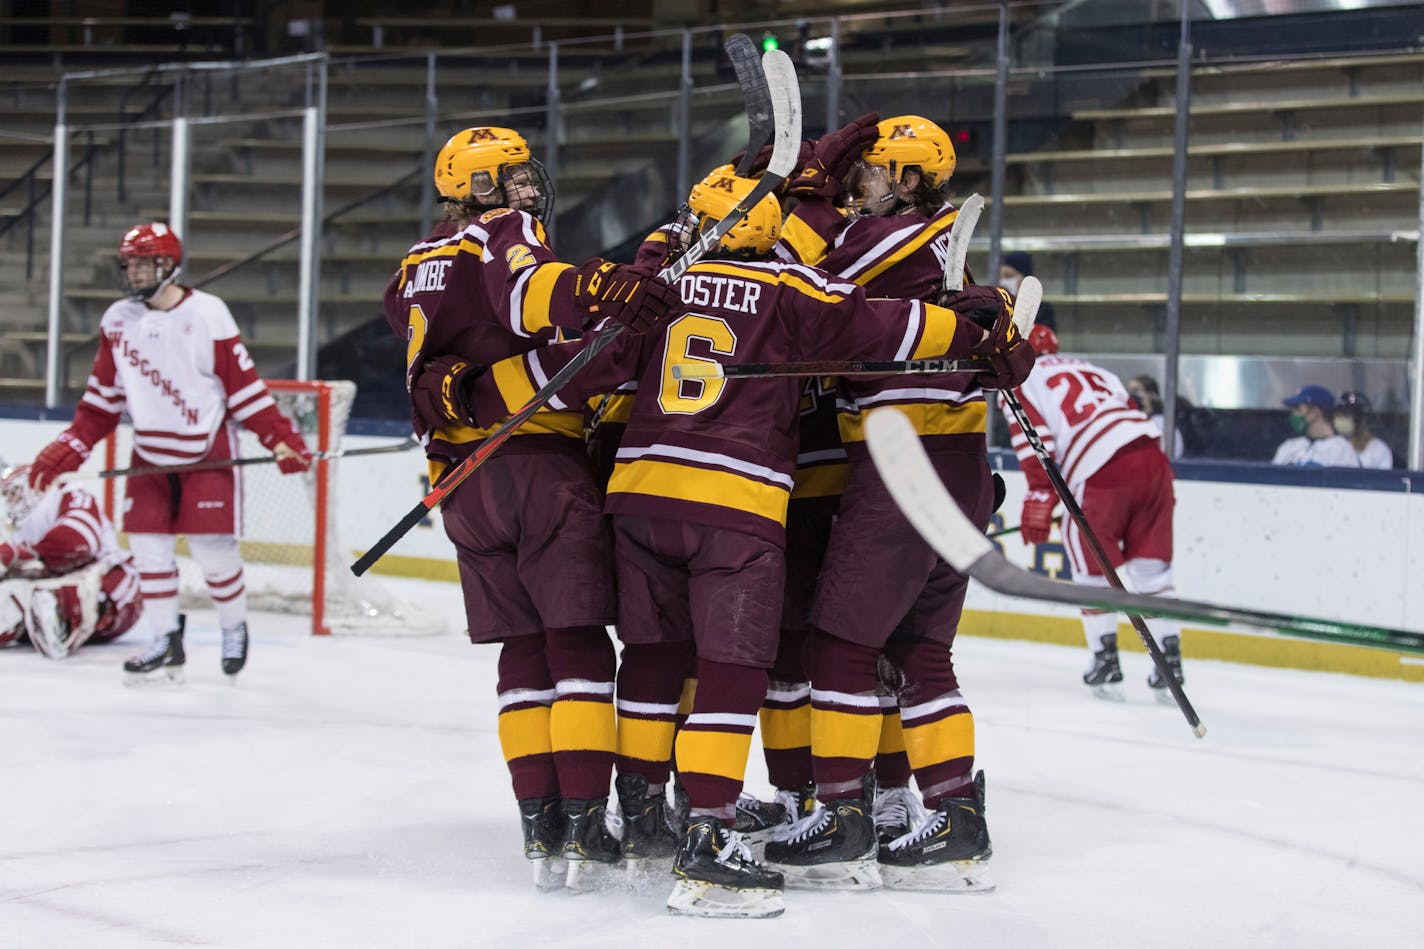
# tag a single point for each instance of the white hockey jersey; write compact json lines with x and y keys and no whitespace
{"x":67,"y":530}
{"x":180,"y":373}
{"x":1083,"y":414}
{"x":1333,"y":451}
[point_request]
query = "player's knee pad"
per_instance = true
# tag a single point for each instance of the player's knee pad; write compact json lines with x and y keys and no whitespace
{"x":840,"y":665}
{"x":218,"y":554}
{"x":154,"y":553}
{"x":926,"y":668}
{"x":1146,"y":575}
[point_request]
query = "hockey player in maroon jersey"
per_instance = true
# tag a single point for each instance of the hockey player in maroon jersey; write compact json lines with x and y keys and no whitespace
{"x":64,"y":580}
{"x":172,"y":358}
{"x":873,"y":211}
{"x":1111,"y":456}
{"x":534,"y":552}
{"x":699,"y":498}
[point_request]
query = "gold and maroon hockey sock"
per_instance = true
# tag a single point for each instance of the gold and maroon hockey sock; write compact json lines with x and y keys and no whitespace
{"x":713,"y":743}
{"x":525,"y":694}
{"x":845,"y":715}
{"x":650,"y":686}
{"x":892,"y":764}
{"x":582,"y":728}
{"x":786,"y":733}
{"x":937,"y":725}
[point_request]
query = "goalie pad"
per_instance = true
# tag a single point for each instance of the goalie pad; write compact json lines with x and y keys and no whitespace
{"x":14,"y":594}
{"x":60,"y":614}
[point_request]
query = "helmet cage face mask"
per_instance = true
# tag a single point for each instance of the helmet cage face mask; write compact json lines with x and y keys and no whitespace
{"x":19,"y":498}
{"x":163,"y":273}
{"x":871,"y":191}
{"x":683,"y":230}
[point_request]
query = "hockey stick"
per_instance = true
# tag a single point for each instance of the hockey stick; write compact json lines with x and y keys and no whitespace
{"x":830,"y":367}
{"x":756,"y":93}
{"x":1014,"y":530}
{"x":786,"y":103}
{"x":918,"y":491}
{"x":958,"y":251}
{"x":138,"y":472}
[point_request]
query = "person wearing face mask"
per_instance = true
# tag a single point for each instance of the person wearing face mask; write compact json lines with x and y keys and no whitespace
{"x":1012,"y":269}
{"x":1315,"y":445}
{"x":1148,"y":397}
{"x":1352,"y":421}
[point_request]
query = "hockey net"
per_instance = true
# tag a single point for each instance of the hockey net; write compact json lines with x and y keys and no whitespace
{"x":294,"y":557}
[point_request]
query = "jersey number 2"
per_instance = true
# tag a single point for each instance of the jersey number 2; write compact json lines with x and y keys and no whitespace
{"x":706,"y":334}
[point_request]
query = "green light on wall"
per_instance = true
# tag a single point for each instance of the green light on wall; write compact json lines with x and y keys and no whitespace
{"x":769,"y":42}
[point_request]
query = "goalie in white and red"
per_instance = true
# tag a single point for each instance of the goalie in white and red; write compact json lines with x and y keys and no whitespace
{"x":171,"y":356}
{"x":64,"y":580}
{"x":1111,"y":456}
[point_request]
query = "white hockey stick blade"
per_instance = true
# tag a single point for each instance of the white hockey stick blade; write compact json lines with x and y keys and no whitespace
{"x":1026,"y":304}
{"x":917,"y":489}
{"x":699,"y":370}
{"x":959,"y":234}
{"x":786,"y":111}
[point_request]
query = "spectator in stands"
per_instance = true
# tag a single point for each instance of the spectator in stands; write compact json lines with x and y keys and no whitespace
{"x":1014,"y":267}
{"x":1316,"y":445}
{"x":1148,"y":396}
{"x":1352,"y":420}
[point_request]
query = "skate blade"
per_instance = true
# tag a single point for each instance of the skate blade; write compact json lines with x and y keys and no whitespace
{"x":646,"y":874}
{"x":162,"y":676}
{"x":590,"y":876}
{"x":963,"y":876}
{"x":695,"y":898}
{"x":549,"y":872}
{"x":1109,"y":692}
{"x":846,"y":875}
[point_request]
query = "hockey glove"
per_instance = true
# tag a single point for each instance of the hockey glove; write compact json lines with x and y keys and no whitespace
{"x":12,"y":554}
{"x":1010,"y":356}
{"x":763,"y":159}
{"x":293,"y":456}
{"x":65,"y":453}
{"x":633,"y":296}
{"x":441,"y":393}
{"x":1036,"y":519}
{"x":983,"y":306}
{"x":833,"y":156}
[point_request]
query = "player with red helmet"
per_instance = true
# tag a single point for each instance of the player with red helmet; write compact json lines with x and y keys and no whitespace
{"x":171,"y":356}
{"x":533,"y":548}
{"x":1112,"y":459}
{"x":64,"y":581}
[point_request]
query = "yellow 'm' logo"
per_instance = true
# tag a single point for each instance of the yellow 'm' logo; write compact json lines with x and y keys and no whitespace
{"x":902,"y":131}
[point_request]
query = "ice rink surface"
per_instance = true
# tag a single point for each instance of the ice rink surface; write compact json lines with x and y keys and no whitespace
{"x":350,"y":792}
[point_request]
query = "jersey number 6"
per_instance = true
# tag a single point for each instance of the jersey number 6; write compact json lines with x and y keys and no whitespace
{"x":707,"y":334}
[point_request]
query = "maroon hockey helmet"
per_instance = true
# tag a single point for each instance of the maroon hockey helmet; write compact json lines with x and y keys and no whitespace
{"x":156,"y":242}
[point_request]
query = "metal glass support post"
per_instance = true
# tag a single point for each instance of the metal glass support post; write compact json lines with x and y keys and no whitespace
{"x":427,"y":185}
{"x":1172,"y":347}
{"x":180,"y":165}
{"x":998,"y":160}
{"x":684,"y":118}
{"x":833,"y":77}
{"x":551,"y":133}
{"x":56,"y":248}
{"x":313,"y":169}
{"x":1416,"y":359}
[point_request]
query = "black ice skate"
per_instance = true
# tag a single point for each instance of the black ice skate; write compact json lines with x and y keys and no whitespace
{"x":649,"y":840}
{"x":758,"y":820}
{"x":946,"y":852}
{"x":543,"y":822}
{"x":164,"y":658}
{"x":833,"y":848}
{"x":591,"y":851}
{"x":234,"y":650}
{"x":715,"y":875}
{"x":1104,"y":676}
{"x":897,"y":811}
{"x":1172,"y":652}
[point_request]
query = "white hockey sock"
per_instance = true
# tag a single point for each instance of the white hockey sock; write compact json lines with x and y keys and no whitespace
{"x":157,"y":565}
{"x":221,"y":560}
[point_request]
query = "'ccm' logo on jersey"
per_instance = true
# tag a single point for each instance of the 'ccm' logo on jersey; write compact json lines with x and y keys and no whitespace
{"x":726,"y":292}
{"x":429,"y":275}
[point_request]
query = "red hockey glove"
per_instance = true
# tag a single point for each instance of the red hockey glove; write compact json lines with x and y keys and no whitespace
{"x":833,"y":156}
{"x":12,"y":554}
{"x":1010,"y":355}
{"x":441,"y":393}
{"x":65,"y":453}
{"x":633,"y":296}
{"x":983,"y":306}
{"x":1036,"y":519}
{"x":293,"y":456}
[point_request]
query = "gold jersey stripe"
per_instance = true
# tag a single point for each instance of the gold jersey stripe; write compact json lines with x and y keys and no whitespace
{"x":822,"y":481}
{"x":783,"y":728}
{"x":682,"y":482}
{"x":844,"y":735}
{"x":732,"y":270}
{"x":937,"y":333}
{"x":449,"y":250}
{"x":723,"y":754}
{"x":583,"y":725}
{"x":539,"y":296}
{"x":929,"y":418}
{"x":931,"y":231}
{"x":800,"y":285}
{"x":940,"y":741}
{"x":803,"y":239}
{"x":524,"y":732}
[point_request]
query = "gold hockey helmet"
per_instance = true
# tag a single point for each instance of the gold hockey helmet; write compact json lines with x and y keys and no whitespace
{"x":714,"y":197}
{"x":911,"y":140}
{"x":476,"y":162}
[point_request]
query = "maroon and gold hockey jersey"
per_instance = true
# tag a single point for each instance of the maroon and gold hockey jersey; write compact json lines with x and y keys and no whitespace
{"x":486,"y":292}
{"x":903,"y":256}
{"x":723,"y":451}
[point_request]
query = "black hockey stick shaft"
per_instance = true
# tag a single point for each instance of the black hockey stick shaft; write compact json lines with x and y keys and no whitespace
{"x":1070,"y":504}
{"x":788,"y":135}
{"x":827,"y":367}
{"x":141,"y":470}
{"x":756,"y":94}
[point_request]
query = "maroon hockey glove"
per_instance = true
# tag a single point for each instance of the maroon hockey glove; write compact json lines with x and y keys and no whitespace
{"x":293,"y":456}
{"x":65,"y":453}
{"x":441,"y":393}
{"x":763,"y":157}
{"x":833,"y":156}
{"x":1036,"y":519}
{"x":1010,"y":355}
{"x":983,"y":306}
{"x":633,"y":296}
